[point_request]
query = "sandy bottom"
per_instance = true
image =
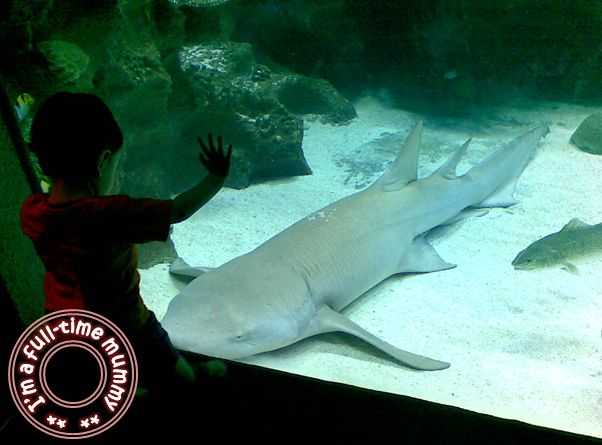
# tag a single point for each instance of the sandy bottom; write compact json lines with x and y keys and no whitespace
{"x":522,"y":345}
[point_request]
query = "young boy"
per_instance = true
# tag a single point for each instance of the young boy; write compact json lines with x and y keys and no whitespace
{"x":87,"y":241}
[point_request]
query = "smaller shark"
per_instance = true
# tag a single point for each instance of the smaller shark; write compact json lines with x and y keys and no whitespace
{"x":576,"y":239}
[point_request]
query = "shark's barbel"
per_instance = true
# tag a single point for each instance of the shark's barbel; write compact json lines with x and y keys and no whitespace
{"x":294,"y":285}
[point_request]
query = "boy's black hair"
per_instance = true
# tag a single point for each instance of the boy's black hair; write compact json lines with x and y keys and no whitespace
{"x":69,"y":132}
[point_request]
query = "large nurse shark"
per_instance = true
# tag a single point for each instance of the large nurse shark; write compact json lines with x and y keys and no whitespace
{"x":295,"y":284}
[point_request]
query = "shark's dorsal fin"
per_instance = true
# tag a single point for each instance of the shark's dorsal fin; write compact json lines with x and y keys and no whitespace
{"x":448,"y":169}
{"x":574,"y":224}
{"x":405,"y":167}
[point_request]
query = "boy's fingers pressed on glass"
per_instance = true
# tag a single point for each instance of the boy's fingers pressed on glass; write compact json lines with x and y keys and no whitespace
{"x":208,"y":152}
{"x":201,"y":143}
{"x":220,"y":142}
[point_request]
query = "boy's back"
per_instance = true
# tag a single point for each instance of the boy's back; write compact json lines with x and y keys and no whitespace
{"x":87,"y":247}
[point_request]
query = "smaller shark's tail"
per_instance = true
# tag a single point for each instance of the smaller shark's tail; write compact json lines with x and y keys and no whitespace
{"x":511,"y":159}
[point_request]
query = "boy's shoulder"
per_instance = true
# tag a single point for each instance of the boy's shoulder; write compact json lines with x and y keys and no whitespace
{"x":34,"y":204}
{"x":38,"y":202}
{"x":43,"y":199}
{"x":120,"y":217}
{"x":35,"y":198}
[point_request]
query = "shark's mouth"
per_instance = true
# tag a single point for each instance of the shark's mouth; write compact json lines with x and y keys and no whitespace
{"x":520,"y":263}
{"x":525,"y":265}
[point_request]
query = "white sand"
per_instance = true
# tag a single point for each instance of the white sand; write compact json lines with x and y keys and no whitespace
{"x":523,"y":345}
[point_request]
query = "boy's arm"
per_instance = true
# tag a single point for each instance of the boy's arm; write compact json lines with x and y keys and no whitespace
{"x":188,"y":202}
{"x":217,"y":164}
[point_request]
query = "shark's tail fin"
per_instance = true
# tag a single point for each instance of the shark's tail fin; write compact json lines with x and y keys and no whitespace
{"x":405,"y":167}
{"x":524,"y":147}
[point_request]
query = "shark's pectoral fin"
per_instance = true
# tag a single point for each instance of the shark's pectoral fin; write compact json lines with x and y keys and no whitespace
{"x":422,"y":257}
{"x":328,"y":320}
{"x":181,"y":268}
{"x":570,"y":267}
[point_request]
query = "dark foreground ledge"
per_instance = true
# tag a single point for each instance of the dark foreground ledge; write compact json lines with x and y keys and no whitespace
{"x":253,"y":403}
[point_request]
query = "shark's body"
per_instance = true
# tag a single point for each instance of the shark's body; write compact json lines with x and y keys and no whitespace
{"x":294,"y":285}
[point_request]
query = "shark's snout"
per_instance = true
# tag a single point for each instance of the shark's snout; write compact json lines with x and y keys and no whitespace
{"x":517,"y":259}
{"x":521,"y":263}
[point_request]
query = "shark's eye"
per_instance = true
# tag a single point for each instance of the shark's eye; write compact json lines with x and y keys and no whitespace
{"x":240,"y":337}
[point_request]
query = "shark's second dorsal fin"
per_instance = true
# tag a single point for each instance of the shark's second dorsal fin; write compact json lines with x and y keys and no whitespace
{"x":448,"y":169}
{"x":405,"y":167}
{"x":574,"y":224}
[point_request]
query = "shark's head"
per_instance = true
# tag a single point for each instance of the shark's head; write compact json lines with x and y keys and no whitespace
{"x":219,"y":321}
{"x":537,"y":255}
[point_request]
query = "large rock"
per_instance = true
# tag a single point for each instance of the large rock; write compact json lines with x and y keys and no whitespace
{"x":207,"y":19}
{"x":124,"y":68}
{"x":588,"y":136}
{"x":316,"y":38}
{"x":68,"y":64}
{"x":306,"y":96}
{"x":130,"y":77}
{"x":52,"y":65}
{"x":224,"y":91}
{"x":168,"y":26}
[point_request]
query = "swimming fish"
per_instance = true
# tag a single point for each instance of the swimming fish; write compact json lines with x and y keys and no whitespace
{"x":576,"y":239}
{"x":23,"y":106}
{"x":451,"y":75}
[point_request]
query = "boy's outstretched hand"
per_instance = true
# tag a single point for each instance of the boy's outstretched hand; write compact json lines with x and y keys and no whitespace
{"x":214,"y":159}
{"x":217,"y":164}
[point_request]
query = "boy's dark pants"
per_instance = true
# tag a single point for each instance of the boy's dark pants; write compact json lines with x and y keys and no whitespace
{"x":155,"y":354}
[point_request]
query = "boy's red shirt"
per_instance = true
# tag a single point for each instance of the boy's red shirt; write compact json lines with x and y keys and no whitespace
{"x":87,"y":247}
